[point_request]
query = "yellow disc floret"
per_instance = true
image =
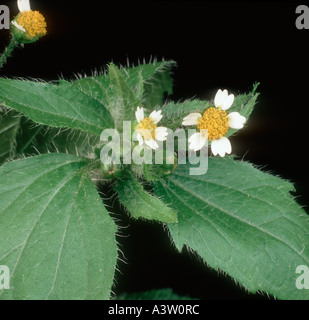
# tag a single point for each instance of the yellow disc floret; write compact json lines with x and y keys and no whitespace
{"x":147,"y":128}
{"x":215,"y":121}
{"x":33,"y":22}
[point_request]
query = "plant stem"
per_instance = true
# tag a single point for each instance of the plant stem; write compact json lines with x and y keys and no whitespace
{"x":8,"y":51}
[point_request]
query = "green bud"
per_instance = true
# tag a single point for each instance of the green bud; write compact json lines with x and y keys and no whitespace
{"x":112,"y":171}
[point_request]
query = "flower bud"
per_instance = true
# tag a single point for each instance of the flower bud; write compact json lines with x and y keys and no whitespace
{"x":112,"y":171}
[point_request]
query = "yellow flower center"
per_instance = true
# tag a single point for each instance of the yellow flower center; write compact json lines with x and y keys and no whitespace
{"x":215,"y":121}
{"x":147,"y":129}
{"x":33,"y":22}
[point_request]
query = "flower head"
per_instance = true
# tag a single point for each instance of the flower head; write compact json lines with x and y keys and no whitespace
{"x":214,"y":124}
{"x":29,"y":25}
{"x":147,"y":130}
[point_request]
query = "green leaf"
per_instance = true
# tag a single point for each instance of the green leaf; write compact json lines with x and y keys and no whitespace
{"x":96,"y":87}
{"x":125,"y":100}
{"x":56,"y":237}
{"x":148,"y":82}
{"x":142,"y":204}
{"x":30,"y":138}
{"x":9,"y":125}
{"x":71,"y":141}
{"x":242,"y":221}
{"x":33,"y":139}
{"x":55,"y":106}
{"x":159,"y":294}
{"x":139,"y":91}
{"x":173,"y":113}
{"x":157,"y":82}
{"x":244,"y":104}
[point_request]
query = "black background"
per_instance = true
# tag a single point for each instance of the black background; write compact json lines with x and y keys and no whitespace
{"x":218,"y":44}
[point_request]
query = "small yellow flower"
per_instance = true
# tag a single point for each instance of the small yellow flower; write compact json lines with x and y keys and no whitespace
{"x":214,"y":124}
{"x":29,"y":25}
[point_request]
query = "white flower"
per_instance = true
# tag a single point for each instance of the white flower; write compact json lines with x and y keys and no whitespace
{"x":214,"y":124}
{"x":147,"y":130}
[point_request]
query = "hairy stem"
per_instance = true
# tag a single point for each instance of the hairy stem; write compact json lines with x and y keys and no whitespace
{"x":8,"y":51}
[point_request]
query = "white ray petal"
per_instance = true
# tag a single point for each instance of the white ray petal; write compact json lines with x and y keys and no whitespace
{"x":156,"y":116}
{"x":218,"y":98}
{"x":191,"y":119}
{"x":139,"y":114}
{"x":223,"y":99}
{"x":197,"y":141}
{"x":152,"y":144}
{"x":18,"y":26}
{"x":161,"y":133}
{"x":221,"y":146}
{"x":236,"y":120}
{"x":227,"y":103}
{"x":139,"y":139}
{"x":23,"y":5}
